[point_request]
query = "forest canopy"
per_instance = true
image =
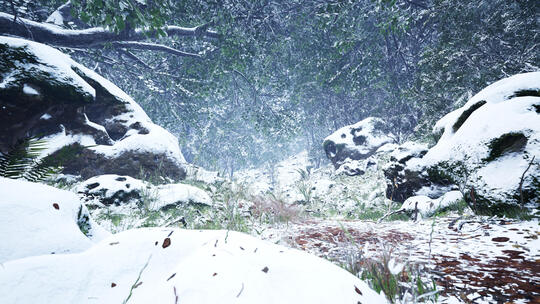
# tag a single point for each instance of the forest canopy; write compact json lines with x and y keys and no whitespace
{"x":243,"y":83}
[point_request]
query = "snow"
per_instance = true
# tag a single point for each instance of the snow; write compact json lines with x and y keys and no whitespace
{"x":28,"y":90}
{"x":200,"y":174}
{"x":172,"y":194}
{"x":55,"y":18}
{"x":31,"y":225}
{"x":56,"y":141}
{"x":45,"y":116}
{"x":408,"y":150}
{"x":502,"y":114}
{"x":151,"y":265}
{"x":208,"y":267}
{"x":112,"y":186}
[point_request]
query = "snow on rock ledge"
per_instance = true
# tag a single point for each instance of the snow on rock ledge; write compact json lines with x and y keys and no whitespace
{"x":486,"y":145}
{"x":36,"y":219}
{"x":83,"y":109}
{"x":356,"y":142}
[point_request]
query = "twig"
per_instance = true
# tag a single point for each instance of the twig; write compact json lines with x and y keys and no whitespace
{"x":238,"y":295}
{"x":389,"y":214}
{"x":521,"y":181}
{"x":137,"y":283}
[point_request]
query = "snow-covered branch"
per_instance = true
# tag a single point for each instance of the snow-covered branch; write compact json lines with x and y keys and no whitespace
{"x":95,"y":37}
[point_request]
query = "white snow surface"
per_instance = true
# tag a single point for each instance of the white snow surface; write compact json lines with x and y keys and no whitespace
{"x":157,"y":141}
{"x":28,"y":90}
{"x":31,"y":225}
{"x":109,"y":185}
{"x":174,"y":193}
{"x":408,"y":149}
{"x":197,"y":267}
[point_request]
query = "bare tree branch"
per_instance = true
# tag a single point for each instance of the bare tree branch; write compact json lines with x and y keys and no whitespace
{"x":153,"y":47}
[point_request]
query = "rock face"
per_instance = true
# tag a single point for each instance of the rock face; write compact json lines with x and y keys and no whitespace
{"x":486,"y":148}
{"x":352,"y":143}
{"x":92,"y":126}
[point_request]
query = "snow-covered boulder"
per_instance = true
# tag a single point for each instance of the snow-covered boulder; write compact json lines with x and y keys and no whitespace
{"x":112,"y":189}
{"x":157,"y":265}
{"x":122,"y":190}
{"x":486,"y":148}
{"x":356,"y":142}
{"x":423,"y":206}
{"x":36,"y":219}
{"x":92,"y":127}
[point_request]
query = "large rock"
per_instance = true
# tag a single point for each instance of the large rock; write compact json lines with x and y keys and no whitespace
{"x":111,"y":189}
{"x":92,"y":127}
{"x":353,"y":143}
{"x":486,"y":148}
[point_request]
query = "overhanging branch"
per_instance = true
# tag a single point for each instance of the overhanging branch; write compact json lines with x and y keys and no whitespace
{"x":94,"y":37}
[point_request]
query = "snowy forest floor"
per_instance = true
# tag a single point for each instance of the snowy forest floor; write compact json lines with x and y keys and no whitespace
{"x":453,"y":257}
{"x":472,"y":259}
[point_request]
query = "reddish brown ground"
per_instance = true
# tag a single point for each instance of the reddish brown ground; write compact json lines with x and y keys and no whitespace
{"x":500,"y":279}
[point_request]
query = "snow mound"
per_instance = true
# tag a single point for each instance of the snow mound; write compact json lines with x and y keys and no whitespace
{"x":36,"y":219}
{"x":182,"y":266}
{"x":356,"y":142}
{"x":173,"y":194}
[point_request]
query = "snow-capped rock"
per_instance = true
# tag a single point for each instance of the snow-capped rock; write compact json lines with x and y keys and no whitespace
{"x":486,"y":147}
{"x":112,"y":189}
{"x":92,"y":127}
{"x":356,"y":142}
{"x":123,"y":190}
{"x":425,"y":206}
{"x":36,"y":219}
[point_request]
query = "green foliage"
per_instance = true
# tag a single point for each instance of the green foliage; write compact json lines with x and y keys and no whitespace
{"x":22,"y":161}
{"x":395,"y":283}
{"x":124,"y":15}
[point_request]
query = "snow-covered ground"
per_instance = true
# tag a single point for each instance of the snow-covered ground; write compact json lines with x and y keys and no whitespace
{"x":49,"y":259}
{"x":471,"y":259}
